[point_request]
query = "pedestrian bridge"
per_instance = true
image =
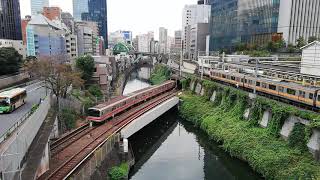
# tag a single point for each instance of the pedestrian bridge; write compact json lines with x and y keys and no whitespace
{"x":75,"y":154}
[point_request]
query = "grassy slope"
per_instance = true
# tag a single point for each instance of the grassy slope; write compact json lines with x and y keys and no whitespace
{"x":267,"y":154}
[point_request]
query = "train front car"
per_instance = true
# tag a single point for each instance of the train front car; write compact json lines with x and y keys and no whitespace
{"x":104,"y":112}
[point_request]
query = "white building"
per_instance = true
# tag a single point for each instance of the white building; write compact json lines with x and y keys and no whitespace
{"x":143,"y":43}
{"x":85,"y":39}
{"x":37,"y":6}
{"x":193,"y":14}
{"x":298,"y":18}
{"x":16,"y":44}
{"x":163,"y":40}
{"x":310,"y":62}
{"x":170,"y":44}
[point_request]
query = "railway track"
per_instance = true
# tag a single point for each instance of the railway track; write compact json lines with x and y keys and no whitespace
{"x":97,"y":137}
{"x":70,"y":138}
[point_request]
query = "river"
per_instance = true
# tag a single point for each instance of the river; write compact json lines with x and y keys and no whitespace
{"x":173,"y":149}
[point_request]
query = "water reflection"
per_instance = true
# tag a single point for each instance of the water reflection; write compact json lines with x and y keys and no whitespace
{"x":173,"y":149}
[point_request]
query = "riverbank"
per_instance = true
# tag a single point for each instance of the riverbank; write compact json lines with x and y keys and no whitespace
{"x":265,"y":152}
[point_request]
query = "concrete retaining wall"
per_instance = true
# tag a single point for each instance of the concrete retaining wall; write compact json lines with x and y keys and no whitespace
{"x":314,"y":144}
{"x":198,"y":88}
{"x":6,"y":82}
{"x":15,"y":148}
{"x":213,"y":97}
{"x":87,"y":168}
{"x":267,"y":115}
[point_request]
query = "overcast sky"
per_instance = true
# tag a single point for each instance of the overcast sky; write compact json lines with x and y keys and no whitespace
{"x":138,"y":16}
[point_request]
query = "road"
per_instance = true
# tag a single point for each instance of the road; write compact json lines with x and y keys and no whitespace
{"x":34,"y":92}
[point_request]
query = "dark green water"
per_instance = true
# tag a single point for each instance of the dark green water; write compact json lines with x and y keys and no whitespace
{"x":171,"y":148}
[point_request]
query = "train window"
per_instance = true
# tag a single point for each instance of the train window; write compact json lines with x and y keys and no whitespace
{"x":233,"y":78}
{"x":281,"y":89}
{"x":258,"y":83}
{"x":94,"y":113}
{"x":242,"y":80}
{"x":310,"y":96}
{"x":318,"y":97}
{"x":302,"y":94}
{"x":245,"y":81}
{"x":272,"y":87}
{"x":291,"y":91}
{"x":250,"y":81}
{"x":114,"y":108}
{"x":223,"y":76}
{"x":264,"y":85}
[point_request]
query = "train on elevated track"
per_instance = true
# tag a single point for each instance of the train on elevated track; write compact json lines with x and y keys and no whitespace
{"x":106,"y":111}
{"x":289,"y":91}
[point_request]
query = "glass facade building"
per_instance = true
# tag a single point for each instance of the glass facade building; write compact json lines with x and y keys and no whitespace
{"x":242,"y":21}
{"x":10,"y":20}
{"x":37,"y":6}
{"x":93,"y":10}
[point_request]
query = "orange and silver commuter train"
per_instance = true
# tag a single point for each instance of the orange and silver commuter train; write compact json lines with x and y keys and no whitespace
{"x":307,"y":95}
{"x":106,"y":111}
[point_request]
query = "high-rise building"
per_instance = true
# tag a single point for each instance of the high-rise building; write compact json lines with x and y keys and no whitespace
{"x":37,"y":5}
{"x":143,"y":43}
{"x":259,"y":22}
{"x":79,"y":7}
{"x":177,"y":41}
{"x":163,"y":40}
{"x":192,"y":15}
{"x":52,"y":13}
{"x":170,"y":44}
{"x":199,"y":33}
{"x":10,"y":20}
{"x":92,"y":10}
{"x":45,"y":37}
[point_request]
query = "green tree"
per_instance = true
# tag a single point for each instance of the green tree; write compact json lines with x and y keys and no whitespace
{"x":10,"y":60}
{"x":95,"y":91}
{"x":312,"y":38}
{"x":301,"y":42}
{"x":291,"y":48}
{"x":86,"y":65}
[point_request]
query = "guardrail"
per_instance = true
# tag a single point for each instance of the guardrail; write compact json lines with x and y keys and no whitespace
{"x":20,"y":85}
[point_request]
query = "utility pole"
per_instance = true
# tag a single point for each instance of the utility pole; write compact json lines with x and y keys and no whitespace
{"x":255,"y":77}
{"x":181,"y":59}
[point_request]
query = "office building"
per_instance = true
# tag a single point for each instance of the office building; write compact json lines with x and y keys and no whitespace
{"x":192,"y":15}
{"x":177,"y":42}
{"x":10,"y":20}
{"x":45,"y":37}
{"x":52,"y":13}
{"x":71,"y":45}
{"x":163,"y":40}
{"x":79,"y":7}
{"x":199,"y":33}
{"x":143,"y":43}
{"x":92,"y":10}
{"x":259,"y":22}
{"x":37,"y":6}
{"x":85,"y":38}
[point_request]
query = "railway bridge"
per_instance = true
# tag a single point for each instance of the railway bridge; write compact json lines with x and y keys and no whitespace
{"x":77,"y":154}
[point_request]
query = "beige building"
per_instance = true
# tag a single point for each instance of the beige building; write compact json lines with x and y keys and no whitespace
{"x":16,"y":44}
{"x":310,"y":61}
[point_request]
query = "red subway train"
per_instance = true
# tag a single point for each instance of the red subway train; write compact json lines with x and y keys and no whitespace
{"x":108,"y":110}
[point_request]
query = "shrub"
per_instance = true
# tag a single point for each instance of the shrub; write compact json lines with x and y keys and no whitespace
{"x":69,"y":117}
{"x":118,"y":173}
{"x":160,"y":74}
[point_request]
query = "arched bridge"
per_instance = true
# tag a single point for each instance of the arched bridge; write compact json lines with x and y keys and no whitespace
{"x":76,"y":154}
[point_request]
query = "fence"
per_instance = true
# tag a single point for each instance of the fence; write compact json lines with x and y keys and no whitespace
{"x":12,"y":157}
{"x":96,"y":158}
{"x":7,"y":81}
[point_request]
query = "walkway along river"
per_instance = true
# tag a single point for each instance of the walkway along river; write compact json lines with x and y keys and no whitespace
{"x":171,"y":148}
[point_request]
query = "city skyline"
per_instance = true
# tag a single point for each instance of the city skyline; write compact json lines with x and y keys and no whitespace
{"x":159,"y":13}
